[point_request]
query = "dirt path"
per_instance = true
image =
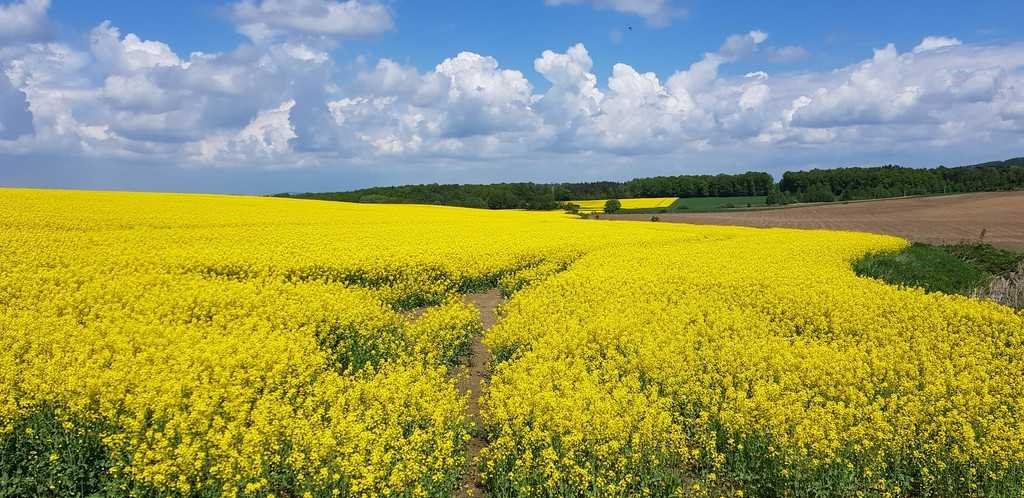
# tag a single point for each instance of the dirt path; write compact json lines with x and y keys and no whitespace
{"x":951,"y":218}
{"x":473,"y":383}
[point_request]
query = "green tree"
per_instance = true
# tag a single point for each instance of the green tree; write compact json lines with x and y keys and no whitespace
{"x":893,"y":181}
{"x":777,"y":197}
{"x":612,"y":205}
{"x":819,"y":192}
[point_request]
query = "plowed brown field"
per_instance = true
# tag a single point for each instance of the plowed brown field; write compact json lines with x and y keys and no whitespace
{"x":951,"y":218}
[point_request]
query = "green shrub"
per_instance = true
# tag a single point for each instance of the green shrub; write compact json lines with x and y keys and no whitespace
{"x":571,"y":207}
{"x":612,"y":205}
{"x":990,"y":259}
{"x":932,"y":268}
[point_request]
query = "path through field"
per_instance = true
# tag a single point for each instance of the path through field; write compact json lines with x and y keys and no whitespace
{"x":951,"y":218}
{"x":479,"y":365}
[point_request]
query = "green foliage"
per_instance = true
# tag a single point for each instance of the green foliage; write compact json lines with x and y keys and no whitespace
{"x":612,"y":205}
{"x":744,"y":184}
{"x":845,"y":184}
{"x":986,"y":257}
{"x":954,"y":269}
{"x":496,"y":196}
{"x":779,"y":198}
{"x":571,"y":207}
{"x":819,"y":192}
{"x":46,"y":456}
{"x":933,"y":268}
{"x":686,"y":186}
{"x":893,"y":181}
{"x":537,"y":196}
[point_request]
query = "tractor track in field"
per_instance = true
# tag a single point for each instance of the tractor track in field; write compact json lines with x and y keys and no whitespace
{"x":472,"y":383}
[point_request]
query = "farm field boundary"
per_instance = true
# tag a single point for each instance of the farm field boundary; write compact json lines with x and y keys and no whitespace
{"x":938,"y":219}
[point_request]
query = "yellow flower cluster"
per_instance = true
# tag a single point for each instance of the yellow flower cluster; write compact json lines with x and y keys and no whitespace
{"x":590,"y":206}
{"x":211,"y":386}
{"x":755,"y":362}
{"x":159,"y":344}
{"x":213,"y":345}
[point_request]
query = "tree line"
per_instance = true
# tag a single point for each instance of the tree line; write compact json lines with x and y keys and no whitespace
{"x":533,"y":196}
{"x":541,"y":196}
{"x":847,"y":184}
{"x":743,"y":184}
{"x":817,"y":185}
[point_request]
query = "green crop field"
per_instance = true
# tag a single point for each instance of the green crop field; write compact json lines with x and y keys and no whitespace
{"x":718,"y":203}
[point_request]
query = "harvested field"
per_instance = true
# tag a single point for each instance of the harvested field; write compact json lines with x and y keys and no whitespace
{"x":950,"y":218}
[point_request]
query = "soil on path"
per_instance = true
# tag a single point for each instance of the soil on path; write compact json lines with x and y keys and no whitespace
{"x":950,"y":218}
{"x":472,"y":383}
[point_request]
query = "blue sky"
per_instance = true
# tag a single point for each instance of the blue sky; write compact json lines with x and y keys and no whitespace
{"x":335,"y":94}
{"x":835,"y":33}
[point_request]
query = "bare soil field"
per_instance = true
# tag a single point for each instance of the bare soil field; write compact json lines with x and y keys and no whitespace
{"x":951,"y":218}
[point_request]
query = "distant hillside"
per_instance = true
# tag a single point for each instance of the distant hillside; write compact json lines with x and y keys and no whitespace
{"x":549,"y":195}
{"x":817,"y":185}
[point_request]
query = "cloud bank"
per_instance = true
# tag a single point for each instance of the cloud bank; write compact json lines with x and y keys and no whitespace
{"x":283,"y":102}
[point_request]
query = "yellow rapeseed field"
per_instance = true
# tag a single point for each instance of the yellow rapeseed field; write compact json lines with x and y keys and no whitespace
{"x":194,"y":345}
{"x":641,"y":203}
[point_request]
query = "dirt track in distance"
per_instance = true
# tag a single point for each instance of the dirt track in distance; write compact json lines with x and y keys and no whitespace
{"x":951,"y":218}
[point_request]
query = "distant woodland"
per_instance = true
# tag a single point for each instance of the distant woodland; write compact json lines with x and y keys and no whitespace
{"x":817,"y":185}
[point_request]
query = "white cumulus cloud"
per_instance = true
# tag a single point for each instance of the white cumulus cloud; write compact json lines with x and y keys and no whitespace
{"x":936,"y":42}
{"x":262,"y":20}
{"x":24,"y":21}
{"x":463,"y":105}
{"x":573,"y":94}
{"x":129,"y":53}
{"x":656,"y":12}
{"x":287,"y":101}
{"x":266,"y":137}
